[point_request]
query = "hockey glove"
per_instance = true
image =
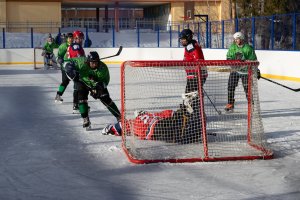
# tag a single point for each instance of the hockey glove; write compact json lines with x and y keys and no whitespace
{"x":258,"y":74}
{"x":98,"y":90}
{"x":71,"y":72}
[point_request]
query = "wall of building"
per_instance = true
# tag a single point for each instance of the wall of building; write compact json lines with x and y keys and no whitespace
{"x":2,"y":11}
{"x":19,"y":11}
{"x":282,"y":65}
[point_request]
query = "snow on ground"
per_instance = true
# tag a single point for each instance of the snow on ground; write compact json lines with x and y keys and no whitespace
{"x":45,"y":153}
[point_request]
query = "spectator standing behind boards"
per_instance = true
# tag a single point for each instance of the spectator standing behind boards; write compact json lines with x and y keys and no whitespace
{"x":239,"y":50}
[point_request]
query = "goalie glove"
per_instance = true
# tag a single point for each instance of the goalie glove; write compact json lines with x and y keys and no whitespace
{"x":71,"y":71}
{"x":187,"y":100}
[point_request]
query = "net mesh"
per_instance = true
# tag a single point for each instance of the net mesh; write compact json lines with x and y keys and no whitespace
{"x":174,"y":111}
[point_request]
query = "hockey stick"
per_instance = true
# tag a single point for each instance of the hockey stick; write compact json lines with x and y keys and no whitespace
{"x":295,"y":90}
{"x":118,"y":53}
{"x":218,"y":111}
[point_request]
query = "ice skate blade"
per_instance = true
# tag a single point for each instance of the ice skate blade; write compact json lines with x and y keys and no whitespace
{"x":229,"y":111}
{"x":58,"y":102}
{"x":88,"y":128}
{"x":76,"y":112}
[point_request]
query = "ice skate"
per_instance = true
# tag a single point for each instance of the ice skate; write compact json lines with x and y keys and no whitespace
{"x":112,"y":129}
{"x":58,"y":99}
{"x":86,"y":123}
{"x":76,"y":109}
{"x":229,"y":108}
{"x":107,"y":130}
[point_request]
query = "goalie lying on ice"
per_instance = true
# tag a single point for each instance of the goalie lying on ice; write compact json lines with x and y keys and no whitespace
{"x":181,"y":126}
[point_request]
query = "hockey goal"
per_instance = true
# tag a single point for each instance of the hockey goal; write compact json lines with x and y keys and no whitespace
{"x":196,"y":127}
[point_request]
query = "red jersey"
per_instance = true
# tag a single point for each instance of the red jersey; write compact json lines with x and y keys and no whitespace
{"x":193,"y":52}
{"x":144,"y":124}
{"x":75,"y":50}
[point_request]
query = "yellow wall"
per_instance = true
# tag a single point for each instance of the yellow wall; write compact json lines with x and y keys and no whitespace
{"x":177,"y":11}
{"x":33,"y":12}
{"x":210,"y":8}
{"x":2,"y":11}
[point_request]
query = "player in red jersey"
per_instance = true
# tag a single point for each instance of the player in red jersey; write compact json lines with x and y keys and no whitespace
{"x":73,"y":51}
{"x":192,"y":52}
{"x":180,"y":126}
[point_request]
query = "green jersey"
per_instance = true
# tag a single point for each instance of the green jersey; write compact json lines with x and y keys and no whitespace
{"x":49,"y":47}
{"x":245,"y":52}
{"x":91,"y":76}
{"x":62,"y":51}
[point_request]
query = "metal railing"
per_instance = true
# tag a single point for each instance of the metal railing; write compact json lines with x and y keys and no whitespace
{"x":277,"y":32}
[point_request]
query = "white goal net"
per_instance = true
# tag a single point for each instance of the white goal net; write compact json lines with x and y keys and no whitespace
{"x":165,"y":121}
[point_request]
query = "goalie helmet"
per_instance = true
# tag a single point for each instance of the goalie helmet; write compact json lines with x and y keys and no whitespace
{"x":239,"y":35}
{"x":93,"y":57}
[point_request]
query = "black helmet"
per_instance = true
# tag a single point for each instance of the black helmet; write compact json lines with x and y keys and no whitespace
{"x":186,"y":34}
{"x":93,"y":57}
{"x":69,"y":35}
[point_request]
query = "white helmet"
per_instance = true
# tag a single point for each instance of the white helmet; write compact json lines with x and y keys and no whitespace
{"x":239,"y":35}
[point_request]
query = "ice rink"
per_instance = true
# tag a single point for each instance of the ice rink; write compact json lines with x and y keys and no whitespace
{"x":47,"y":155}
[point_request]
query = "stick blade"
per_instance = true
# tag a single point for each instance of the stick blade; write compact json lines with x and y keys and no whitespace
{"x":120,"y":50}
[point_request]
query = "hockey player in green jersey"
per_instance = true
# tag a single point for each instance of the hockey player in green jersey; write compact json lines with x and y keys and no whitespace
{"x":49,"y":58}
{"x":93,"y":77}
{"x":61,"y":56}
{"x":239,"y":50}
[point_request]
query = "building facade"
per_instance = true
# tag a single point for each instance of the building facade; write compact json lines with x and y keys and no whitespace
{"x":15,"y":13}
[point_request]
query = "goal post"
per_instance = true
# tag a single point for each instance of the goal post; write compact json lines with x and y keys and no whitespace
{"x":38,"y":59}
{"x":163,"y":123}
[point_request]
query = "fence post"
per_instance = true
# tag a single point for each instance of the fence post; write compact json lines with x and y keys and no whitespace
{"x":294,"y":31}
{"x":207,"y":45}
{"x":222,"y":23}
{"x":198,"y":32}
{"x":272,"y":32}
{"x":178,"y":34}
{"x":253,"y":32}
{"x":113,"y":35}
{"x":210,"y":39}
{"x":157,"y":35}
{"x":3,"y":37}
{"x":31,"y":32}
{"x":170,"y":36}
{"x":138,"y":35}
{"x":236,"y":24}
